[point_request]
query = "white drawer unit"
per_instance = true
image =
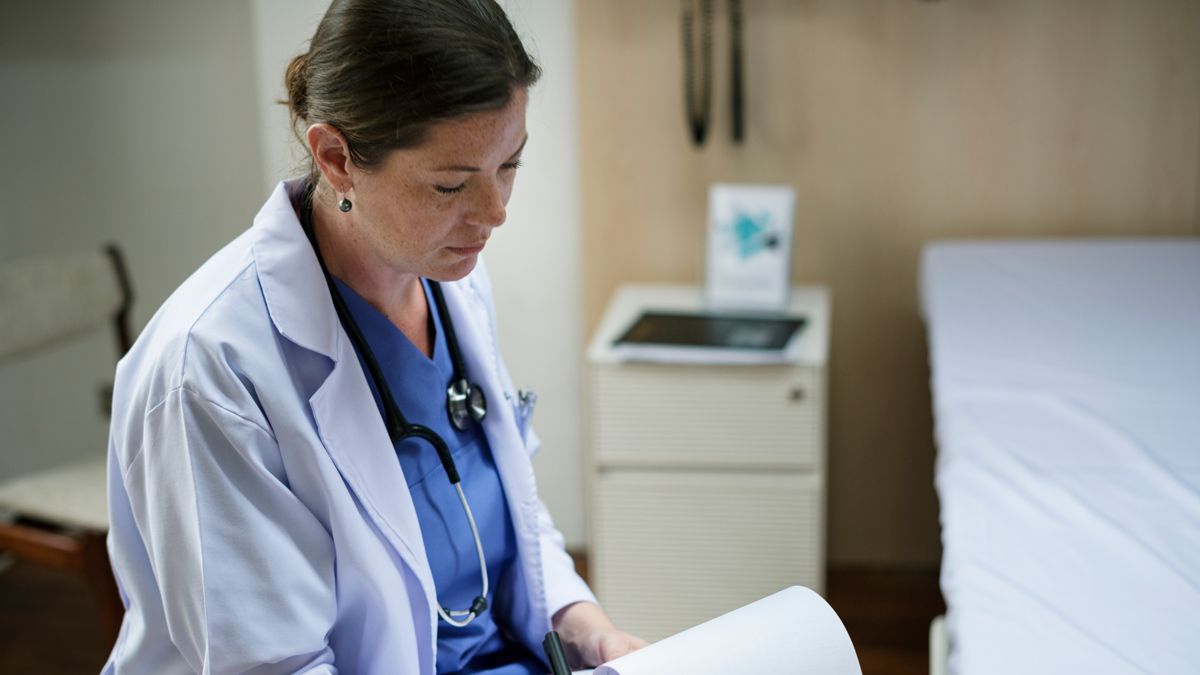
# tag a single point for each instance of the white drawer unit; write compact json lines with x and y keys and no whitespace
{"x":712,"y":416}
{"x":706,"y":482}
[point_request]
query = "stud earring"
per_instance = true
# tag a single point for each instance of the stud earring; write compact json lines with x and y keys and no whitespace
{"x":344,"y":206}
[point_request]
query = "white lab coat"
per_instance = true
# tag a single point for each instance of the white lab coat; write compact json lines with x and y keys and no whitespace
{"x":260,"y":520}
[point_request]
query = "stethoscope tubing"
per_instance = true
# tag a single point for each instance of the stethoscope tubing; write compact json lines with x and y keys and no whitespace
{"x":398,"y":427}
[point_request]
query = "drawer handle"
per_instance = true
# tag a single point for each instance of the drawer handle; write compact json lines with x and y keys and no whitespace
{"x":796,"y":394}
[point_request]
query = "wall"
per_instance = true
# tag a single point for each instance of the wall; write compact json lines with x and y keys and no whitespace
{"x":536,"y":261}
{"x":123,"y":120}
{"x":281,"y":30}
{"x":896,"y":121}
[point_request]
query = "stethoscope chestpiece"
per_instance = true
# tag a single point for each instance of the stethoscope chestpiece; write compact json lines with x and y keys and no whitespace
{"x":465,"y":403}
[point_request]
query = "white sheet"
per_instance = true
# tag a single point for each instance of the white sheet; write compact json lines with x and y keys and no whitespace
{"x":1066,"y":380}
{"x":792,"y":631}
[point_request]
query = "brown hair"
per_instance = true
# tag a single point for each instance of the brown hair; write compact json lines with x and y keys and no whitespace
{"x":384,"y":71}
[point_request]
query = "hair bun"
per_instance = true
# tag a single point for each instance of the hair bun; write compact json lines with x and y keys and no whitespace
{"x":295,"y":81}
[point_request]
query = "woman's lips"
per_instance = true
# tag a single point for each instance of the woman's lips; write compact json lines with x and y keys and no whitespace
{"x":467,"y":250}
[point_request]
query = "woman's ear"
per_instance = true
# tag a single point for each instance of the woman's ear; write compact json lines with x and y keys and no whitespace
{"x":332,"y":155}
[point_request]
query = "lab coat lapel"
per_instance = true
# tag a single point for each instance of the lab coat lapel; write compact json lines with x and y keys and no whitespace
{"x":355,"y":437}
{"x":344,"y":409}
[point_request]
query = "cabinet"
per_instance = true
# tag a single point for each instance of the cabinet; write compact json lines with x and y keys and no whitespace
{"x":706,"y":483}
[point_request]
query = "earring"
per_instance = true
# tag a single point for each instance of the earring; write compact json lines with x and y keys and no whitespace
{"x":344,"y":206}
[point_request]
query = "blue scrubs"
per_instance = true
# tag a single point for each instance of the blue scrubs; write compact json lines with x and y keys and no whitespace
{"x":418,"y":385}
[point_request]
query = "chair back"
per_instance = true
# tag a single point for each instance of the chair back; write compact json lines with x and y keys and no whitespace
{"x":50,"y":299}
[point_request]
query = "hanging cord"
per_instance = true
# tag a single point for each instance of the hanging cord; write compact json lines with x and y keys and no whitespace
{"x":697,"y":110}
{"x":737,"y":97}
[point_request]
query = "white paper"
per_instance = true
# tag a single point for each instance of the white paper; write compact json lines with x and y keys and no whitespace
{"x":707,"y":355}
{"x":792,"y":631}
{"x":749,"y":246}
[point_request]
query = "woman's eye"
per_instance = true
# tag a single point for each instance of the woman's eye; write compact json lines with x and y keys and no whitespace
{"x":512,"y":165}
{"x":450,"y":190}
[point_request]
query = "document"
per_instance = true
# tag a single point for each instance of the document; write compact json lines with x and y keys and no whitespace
{"x":791,"y":632}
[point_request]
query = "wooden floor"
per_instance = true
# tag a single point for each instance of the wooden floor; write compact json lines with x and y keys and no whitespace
{"x":887,"y":613}
{"x":48,"y":620}
{"x":48,"y":623}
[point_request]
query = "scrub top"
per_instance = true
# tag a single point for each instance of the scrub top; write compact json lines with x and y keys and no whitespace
{"x":418,"y":385}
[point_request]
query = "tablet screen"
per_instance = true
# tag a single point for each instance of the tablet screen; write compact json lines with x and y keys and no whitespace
{"x":712,"y":331}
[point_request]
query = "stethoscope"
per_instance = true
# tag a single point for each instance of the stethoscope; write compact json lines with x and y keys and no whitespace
{"x":465,"y":404}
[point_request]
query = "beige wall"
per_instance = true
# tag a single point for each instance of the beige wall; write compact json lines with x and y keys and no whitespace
{"x":896,"y":121}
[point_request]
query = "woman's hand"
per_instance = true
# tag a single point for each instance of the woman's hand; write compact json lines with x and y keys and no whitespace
{"x":589,"y":636}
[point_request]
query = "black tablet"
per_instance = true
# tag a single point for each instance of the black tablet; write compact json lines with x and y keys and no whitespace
{"x":712,"y":331}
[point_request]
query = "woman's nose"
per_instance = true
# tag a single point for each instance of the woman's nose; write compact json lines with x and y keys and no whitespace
{"x":489,"y":207}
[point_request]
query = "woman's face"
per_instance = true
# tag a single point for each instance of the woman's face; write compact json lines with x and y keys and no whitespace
{"x":429,"y":210}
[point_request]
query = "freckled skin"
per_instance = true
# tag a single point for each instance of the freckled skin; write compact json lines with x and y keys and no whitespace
{"x":401,"y":226}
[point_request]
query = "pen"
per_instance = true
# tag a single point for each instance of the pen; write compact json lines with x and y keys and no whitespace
{"x":554,"y":651}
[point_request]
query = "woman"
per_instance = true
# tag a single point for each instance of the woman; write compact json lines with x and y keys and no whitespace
{"x":288,"y":491}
